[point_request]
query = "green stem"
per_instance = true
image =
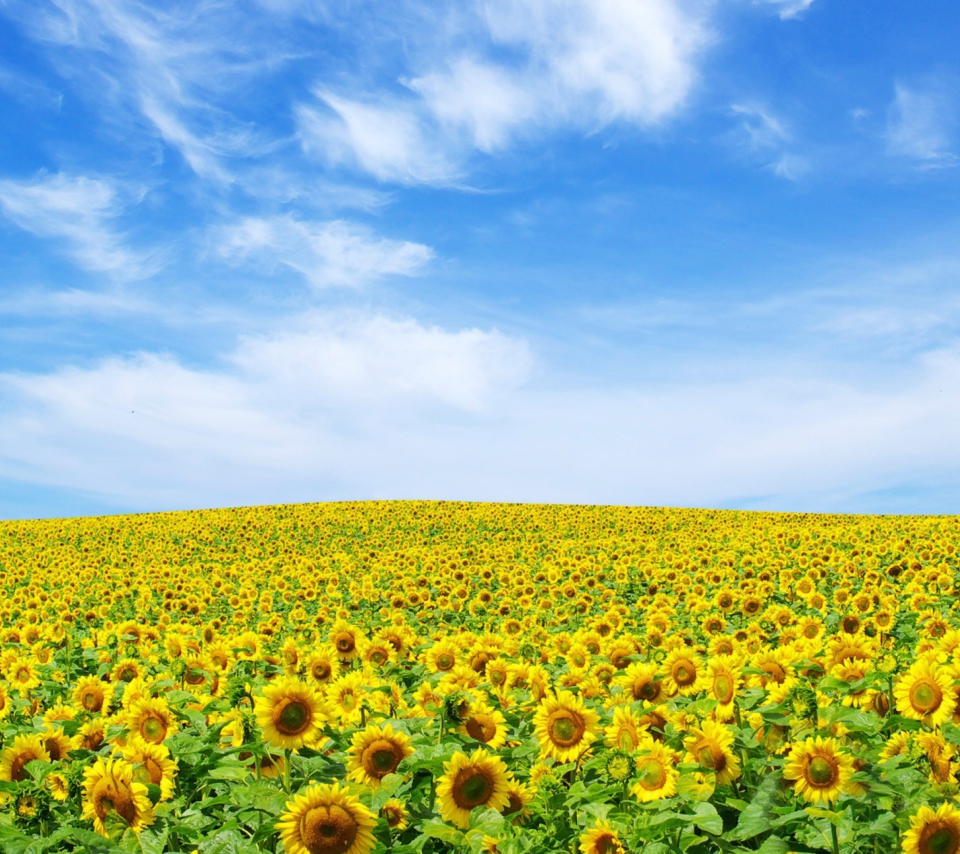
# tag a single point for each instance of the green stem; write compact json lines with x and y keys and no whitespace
{"x":835,"y":838}
{"x":287,"y":754}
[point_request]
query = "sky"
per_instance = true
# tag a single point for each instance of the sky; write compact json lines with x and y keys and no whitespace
{"x":699,"y":253}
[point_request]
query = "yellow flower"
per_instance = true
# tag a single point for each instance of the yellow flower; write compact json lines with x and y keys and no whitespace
{"x":625,"y":731}
{"x":485,"y":724}
{"x":151,"y":719}
{"x":564,"y":726}
{"x":25,"y":748}
{"x":290,"y":713}
{"x":480,"y":780}
{"x":933,"y":832}
{"x":109,"y":787}
{"x":683,"y":672}
{"x":152,"y":765}
{"x":395,"y":814}
{"x":376,"y":752}
{"x":925,"y":693}
{"x":819,"y":768}
{"x":326,"y":819}
{"x":601,"y":839}
{"x":656,"y":775}
{"x":712,"y":746}
{"x":641,"y":682}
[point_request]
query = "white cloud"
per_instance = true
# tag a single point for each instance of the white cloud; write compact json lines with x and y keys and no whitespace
{"x":77,"y":211}
{"x":766,"y":137}
{"x":920,"y":124}
{"x":788,"y":8}
{"x":326,"y":254}
{"x":372,"y":407}
{"x":390,"y":141}
{"x":527,"y":67}
{"x":285,"y":412}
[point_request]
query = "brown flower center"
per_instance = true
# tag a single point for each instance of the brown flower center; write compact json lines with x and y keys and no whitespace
{"x":381,"y":758}
{"x":471,"y":788}
{"x":926,"y":695}
{"x":111,"y":795}
{"x":328,"y":830}
{"x":938,"y":838}
{"x":822,"y":772}
{"x":293,"y":717}
{"x":565,"y":727}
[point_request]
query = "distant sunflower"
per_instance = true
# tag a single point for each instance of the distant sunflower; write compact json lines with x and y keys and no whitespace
{"x":344,"y":638}
{"x":151,"y":719}
{"x":13,"y":760}
{"x":290,"y":713}
{"x":712,"y":746}
{"x":520,"y":795}
{"x":819,"y":768}
{"x":682,"y":672}
{"x":56,"y":742}
{"x":376,"y":752}
{"x":641,"y":682}
{"x":326,"y":819}
{"x":441,"y":657}
{"x":321,"y":666}
{"x":601,"y":839}
{"x":57,"y":785}
{"x":395,"y":814}
{"x":109,"y":787}
{"x":92,"y":694}
{"x":723,"y":680}
{"x":345,"y":696}
{"x":486,"y":724}
{"x":925,"y":693}
{"x":625,"y":731}
{"x":479,"y":780}
{"x":564,"y":726}
{"x":656,"y":775}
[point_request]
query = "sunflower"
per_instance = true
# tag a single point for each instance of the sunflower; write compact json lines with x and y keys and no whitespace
{"x":290,"y":713}
{"x":925,"y":693}
{"x":564,"y":726}
{"x":344,"y":638}
{"x":58,"y":785}
{"x":820,"y":769}
{"x":126,"y":670}
{"x":326,"y":819}
{"x":151,"y":719}
{"x":376,"y":752}
{"x":152,"y":765}
{"x":520,"y":795}
{"x":625,"y":731}
{"x":345,"y":696}
{"x":933,"y":832}
{"x":656,"y":775}
{"x":395,"y":814}
{"x":479,"y":780}
{"x":25,"y":748}
{"x":640,"y":681}
{"x":56,"y":742}
{"x":91,"y":735}
{"x":682,"y":672}
{"x":601,"y":839}
{"x":4,"y":701}
{"x":441,"y":657}
{"x":322,"y":666}
{"x":23,"y":674}
{"x":485,"y":724}
{"x":723,"y":680}
{"x":712,"y":746}
{"x":109,"y":787}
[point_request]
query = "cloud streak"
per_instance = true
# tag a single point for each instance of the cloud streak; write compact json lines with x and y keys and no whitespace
{"x":79,"y":212}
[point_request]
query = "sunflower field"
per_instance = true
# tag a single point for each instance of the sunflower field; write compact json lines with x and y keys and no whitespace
{"x":445,"y":677}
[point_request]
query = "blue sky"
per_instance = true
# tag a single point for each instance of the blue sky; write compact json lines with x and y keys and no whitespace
{"x":650,"y":252}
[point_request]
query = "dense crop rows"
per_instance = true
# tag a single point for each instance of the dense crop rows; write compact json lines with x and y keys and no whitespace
{"x":343,"y":679}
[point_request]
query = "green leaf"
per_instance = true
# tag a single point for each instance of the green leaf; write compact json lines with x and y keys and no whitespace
{"x":228,"y":842}
{"x":439,"y":830}
{"x":708,"y":819}
{"x":773,"y":845}
{"x":755,"y":819}
{"x":229,"y":771}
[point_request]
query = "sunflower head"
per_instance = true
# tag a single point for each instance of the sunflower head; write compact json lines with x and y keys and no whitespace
{"x":110,"y":791}
{"x":376,"y":752}
{"x":819,"y":768}
{"x":13,"y":760}
{"x":290,"y":713}
{"x":933,"y":832}
{"x":564,"y":726}
{"x":469,"y":782}
{"x":326,"y":819}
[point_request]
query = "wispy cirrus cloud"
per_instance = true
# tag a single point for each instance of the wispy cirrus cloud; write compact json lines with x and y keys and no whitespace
{"x":79,"y":213}
{"x":335,"y":253}
{"x":921,"y":125}
{"x":787,"y":8}
{"x":766,"y":137}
